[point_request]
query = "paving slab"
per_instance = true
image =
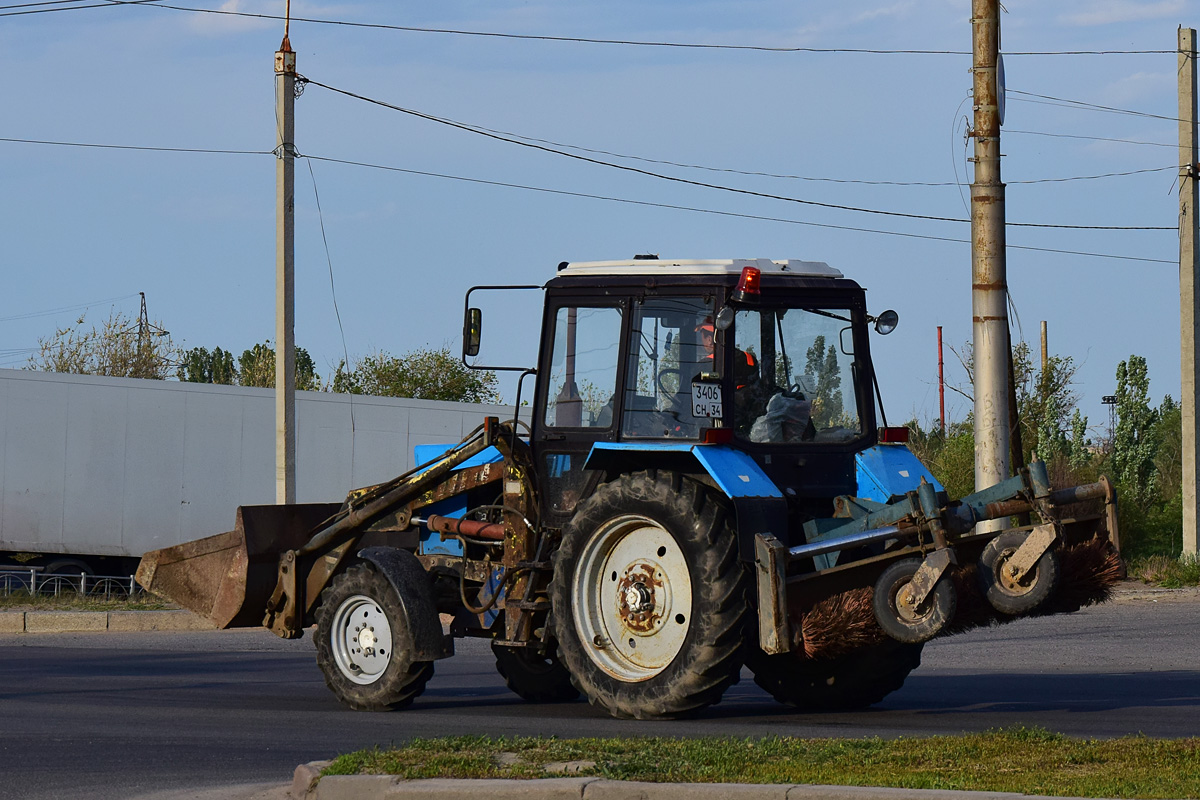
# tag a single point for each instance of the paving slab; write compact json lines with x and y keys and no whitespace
{"x":639,"y":790}
{"x":65,"y":621}
{"x":124,"y":621}
{"x":386,"y":787}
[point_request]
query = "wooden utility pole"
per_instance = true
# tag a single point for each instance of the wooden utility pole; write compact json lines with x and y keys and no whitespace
{"x":989,"y":282}
{"x":1189,"y":269}
{"x":285,"y":282}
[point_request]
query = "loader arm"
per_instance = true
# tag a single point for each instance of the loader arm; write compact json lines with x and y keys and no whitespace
{"x":228,"y":578}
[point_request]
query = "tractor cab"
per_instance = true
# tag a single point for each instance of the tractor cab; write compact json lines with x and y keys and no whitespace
{"x":643,"y":361}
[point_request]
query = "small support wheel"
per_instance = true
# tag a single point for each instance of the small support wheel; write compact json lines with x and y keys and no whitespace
{"x":361,"y":626}
{"x":1007,"y":594}
{"x":895,"y":611}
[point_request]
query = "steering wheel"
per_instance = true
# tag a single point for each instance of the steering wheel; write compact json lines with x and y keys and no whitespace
{"x":674,"y":396}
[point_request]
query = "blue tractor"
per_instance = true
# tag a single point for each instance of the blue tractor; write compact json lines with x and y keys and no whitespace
{"x":703,"y":484}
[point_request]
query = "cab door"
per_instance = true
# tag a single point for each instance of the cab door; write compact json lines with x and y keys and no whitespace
{"x":577,"y":399}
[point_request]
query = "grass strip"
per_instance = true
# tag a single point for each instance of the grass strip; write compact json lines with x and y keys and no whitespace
{"x":73,"y":601}
{"x":1019,"y":759}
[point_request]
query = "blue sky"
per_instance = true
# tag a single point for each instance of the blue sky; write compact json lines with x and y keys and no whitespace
{"x":195,"y":232}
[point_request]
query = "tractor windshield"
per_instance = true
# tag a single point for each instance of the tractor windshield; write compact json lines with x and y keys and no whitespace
{"x":804,"y":389}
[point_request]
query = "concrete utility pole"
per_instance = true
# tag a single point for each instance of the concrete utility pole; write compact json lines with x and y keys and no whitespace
{"x":1189,"y":269}
{"x":989,"y":289}
{"x":1045,"y":347}
{"x":285,"y":281}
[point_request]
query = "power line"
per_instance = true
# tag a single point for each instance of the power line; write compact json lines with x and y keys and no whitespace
{"x":503,"y":137}
{"x":738,"y":215}
{"x":616,"y":155}
{"x":43,"y":3}
{"x":627,"y":42}
{"x":63,"y":309}
{"x":106,"y":4}
{"x":1067,"y":103}
{"x":595,"y":197}
{"x":1091,"y":138}
{"x":141,"y":147}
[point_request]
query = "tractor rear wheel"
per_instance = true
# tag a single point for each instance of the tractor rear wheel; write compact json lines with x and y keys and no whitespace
{"x":850,"y":682}
{"x":359,"y":624}
{"x":649,"y":599}
{"x":536,"y":677}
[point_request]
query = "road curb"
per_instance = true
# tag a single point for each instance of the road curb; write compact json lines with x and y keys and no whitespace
{"x":309,"y":785}
{"x":36,"y":622}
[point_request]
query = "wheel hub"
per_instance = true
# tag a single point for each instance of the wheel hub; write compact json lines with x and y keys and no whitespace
{"x":632,"y":598}
{"x":360,"y":639}
{"x":642,"y":591}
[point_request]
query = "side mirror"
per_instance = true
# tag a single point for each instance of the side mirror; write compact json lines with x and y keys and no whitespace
{"x":886,"y":322}
{"x":472,"y":331}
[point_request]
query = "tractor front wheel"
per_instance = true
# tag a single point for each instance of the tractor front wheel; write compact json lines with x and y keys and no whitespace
{"x":359,"y":624}
{"x":649,"y":598}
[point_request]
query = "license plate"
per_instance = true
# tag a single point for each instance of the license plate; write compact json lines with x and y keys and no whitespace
{"x":706,"y":400}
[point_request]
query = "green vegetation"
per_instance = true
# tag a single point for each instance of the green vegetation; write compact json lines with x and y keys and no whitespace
{"x":1027,"y":760}
{"x":1170,"y":573}
{"x":1142,"y":454}
{"x":73,"y":601}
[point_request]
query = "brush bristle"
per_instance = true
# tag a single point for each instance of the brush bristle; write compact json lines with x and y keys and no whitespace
{"x":846,"y":622}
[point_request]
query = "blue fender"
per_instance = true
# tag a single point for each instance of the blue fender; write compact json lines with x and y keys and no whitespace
{"x":887,"y":470}
{"x":732,"y":470}
{"x":759,"y":505}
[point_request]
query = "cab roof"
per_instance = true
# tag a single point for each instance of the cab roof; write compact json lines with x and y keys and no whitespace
{"x":681,"y":267}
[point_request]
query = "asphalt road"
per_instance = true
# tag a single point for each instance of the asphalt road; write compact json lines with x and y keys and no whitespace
{"x":119,"y":715}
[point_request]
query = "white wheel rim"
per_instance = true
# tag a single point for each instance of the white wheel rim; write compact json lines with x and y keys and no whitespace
{"x":361,"y":639}
{"x":632,"y":598}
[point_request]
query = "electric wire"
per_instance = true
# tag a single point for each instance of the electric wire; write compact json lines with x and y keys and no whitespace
{"x":1090,"y":106}
{"x":105,"y":4}
{"x":857,"y":181}
{"x":621,"y":42}
{"x":140,"y":147}
{"x":580,"y":40}
{"x":734,"y":214}
{"x":1091,"y":138}
{"x":64,"y":309}
{"x":333,"y":294}
{"x":490,"y":134}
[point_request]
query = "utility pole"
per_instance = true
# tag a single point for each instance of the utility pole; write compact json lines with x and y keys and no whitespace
{"x":1189,"y":269}
{"x":285,"y":261}
{"x":1045,"y":347}
{"x":941,"y":385}
{"x":989,"y":282}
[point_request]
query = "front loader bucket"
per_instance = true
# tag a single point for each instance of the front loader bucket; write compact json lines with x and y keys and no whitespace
{"x":228,"y":578}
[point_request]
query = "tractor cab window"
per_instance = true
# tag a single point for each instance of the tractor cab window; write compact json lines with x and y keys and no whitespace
{"x":806,"y":387}
{"x":670,"y":346}
{"x":583,"y":368}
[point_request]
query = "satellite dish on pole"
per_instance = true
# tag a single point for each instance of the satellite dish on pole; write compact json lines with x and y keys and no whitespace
{"x":1000,"y":87}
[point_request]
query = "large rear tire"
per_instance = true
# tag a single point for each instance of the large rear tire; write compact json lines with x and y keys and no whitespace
{"x":649,"y":598}
{"x":535,"y":677}
{"x":853,"y":681}
{"x":359,"y":624}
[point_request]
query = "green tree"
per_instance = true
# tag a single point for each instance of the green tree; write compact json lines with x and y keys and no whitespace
{"x":822,"y":364}
{"x":1134,"y":444}
{"x":118,"y":348}
{"x":423,"y":373}
{"x":256,"y":367}
{"x":198,"y":365}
